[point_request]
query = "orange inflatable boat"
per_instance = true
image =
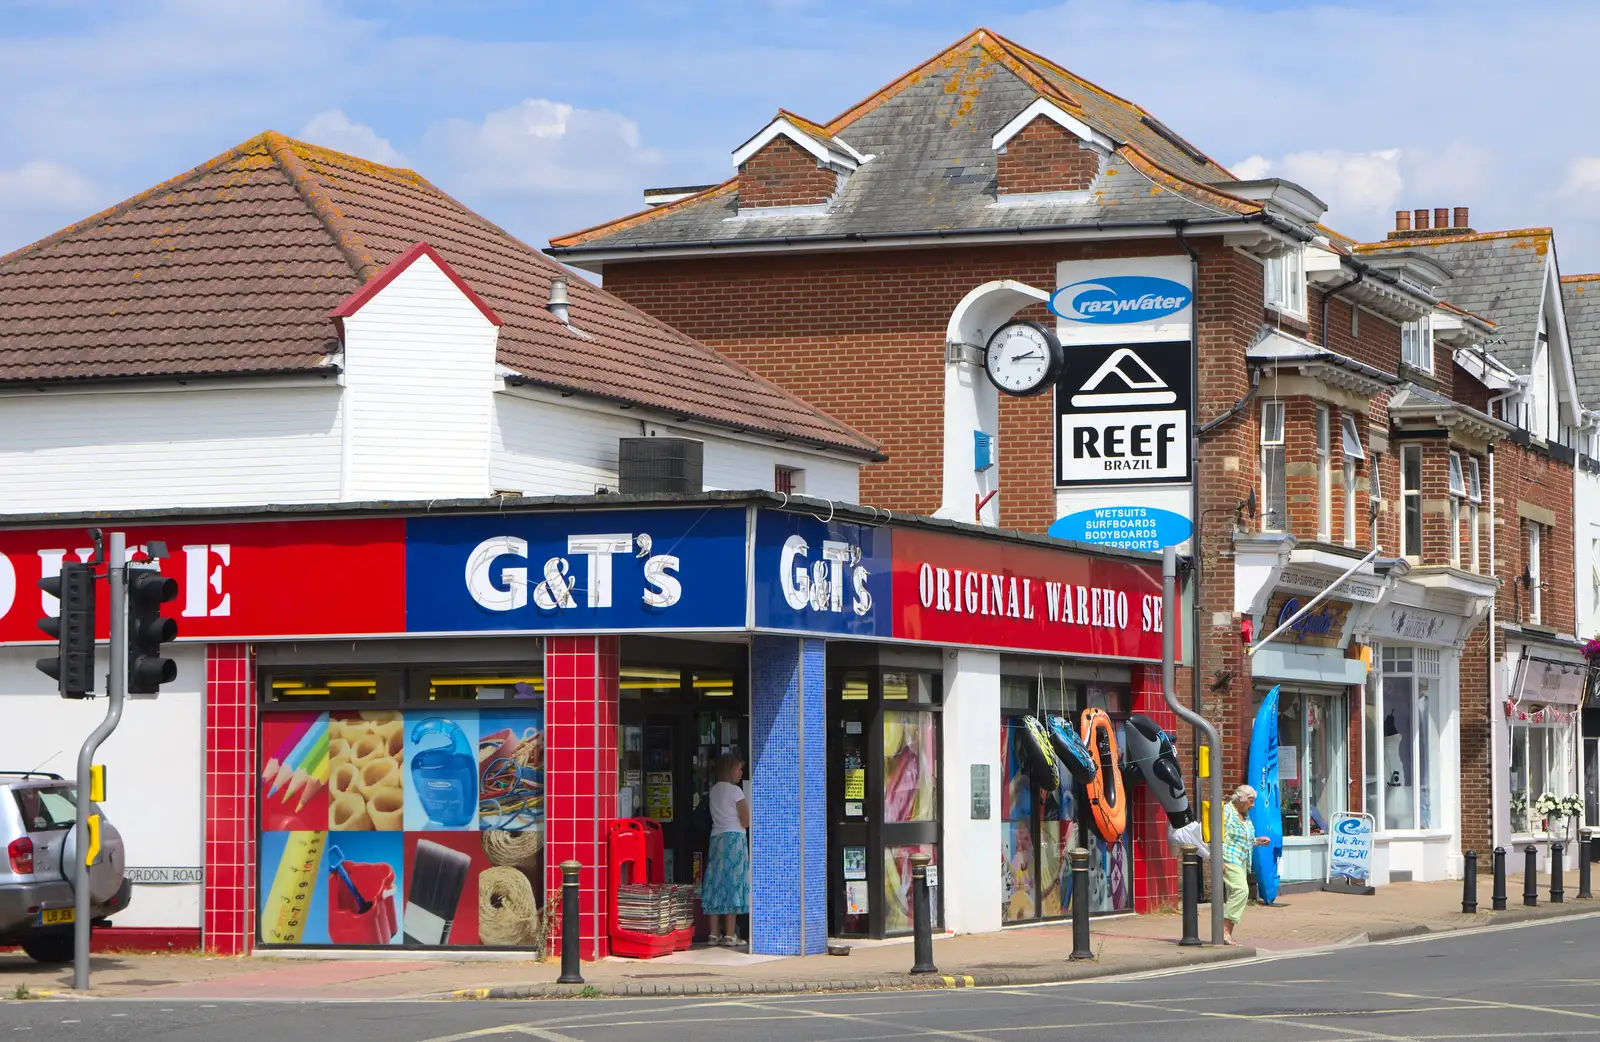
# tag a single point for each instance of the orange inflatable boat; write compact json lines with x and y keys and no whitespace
{"x":1108,"y":804}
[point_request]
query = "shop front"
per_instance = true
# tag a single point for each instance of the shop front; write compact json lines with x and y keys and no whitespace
{"x":1539,"y":744}
{"x":411,"y":721}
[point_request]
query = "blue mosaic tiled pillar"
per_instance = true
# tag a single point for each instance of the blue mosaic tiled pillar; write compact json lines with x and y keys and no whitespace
{"x":789,"y":797}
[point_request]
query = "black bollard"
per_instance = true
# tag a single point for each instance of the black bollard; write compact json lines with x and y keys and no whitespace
{"x":921,"y":917}
{"x":1558,"y":893}
{"x":569,"y":924}
{"x":1469,"y":883}
{"x":1080,"y":905}
{"x":1530,"y":876}
{"x":1191,"y":896}
{"x":1585,"y":838}
{"x":1498,"y":898}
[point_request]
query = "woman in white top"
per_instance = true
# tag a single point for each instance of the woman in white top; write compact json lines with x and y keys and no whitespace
{"x":725,"y":890}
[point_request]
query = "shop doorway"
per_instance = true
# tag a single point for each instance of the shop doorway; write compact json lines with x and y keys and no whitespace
{"x":883,"y":792}
{"x":681,"y":705}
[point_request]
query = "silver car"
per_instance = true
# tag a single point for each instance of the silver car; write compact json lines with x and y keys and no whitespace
{"x":37,"y":896}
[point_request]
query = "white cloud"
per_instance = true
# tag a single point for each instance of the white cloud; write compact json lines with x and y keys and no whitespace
{"x":1581,"y":186}
{"x":540,"y":145}
{"x":43,"y":185}
{"x":333,"y":129}
{"x":1252,"y":169}
{"x":1357,"y":186}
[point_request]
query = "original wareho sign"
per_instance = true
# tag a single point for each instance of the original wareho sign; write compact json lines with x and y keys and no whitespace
{"x":1122,"y":415}
{"x":954,"y":590}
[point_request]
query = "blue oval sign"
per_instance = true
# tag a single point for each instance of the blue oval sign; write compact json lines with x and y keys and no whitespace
{"x":1129,"y":528}
{"x":1117,"y":299}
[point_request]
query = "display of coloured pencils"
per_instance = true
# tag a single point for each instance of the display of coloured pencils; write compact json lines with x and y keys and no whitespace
{"x":284,"y":749}
{"x":297,"y":756}
{"x":313,"y":763}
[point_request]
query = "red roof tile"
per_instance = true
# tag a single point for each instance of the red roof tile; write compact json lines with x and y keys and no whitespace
{"x":234,"y":266}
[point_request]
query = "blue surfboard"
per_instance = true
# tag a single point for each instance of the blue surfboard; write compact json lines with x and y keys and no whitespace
{"x":1267,"y":814}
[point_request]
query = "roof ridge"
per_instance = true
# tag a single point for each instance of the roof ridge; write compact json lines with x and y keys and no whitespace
{"x":282,"y":150}
{"x":236,"y":152}
{"x":628,"y":220}
{"x":1140,"y":160}
{"x":1590,"y":277}
{"x":979,"y":37}
{"x":1435,"y":240}
{"x":808,"y":125}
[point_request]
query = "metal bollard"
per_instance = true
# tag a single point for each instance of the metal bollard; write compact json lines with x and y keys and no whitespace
{"x":1190,"y":860}
{"x":1469,"y":883}
{"x":1498,"y":898}
{"x":569,"y":924}
{"x":1080,"y":905}
{"x":1585,"y":839}
{"x":1558,"y":855}
{"x":1530,"y":876}
{"x":921,"y":917}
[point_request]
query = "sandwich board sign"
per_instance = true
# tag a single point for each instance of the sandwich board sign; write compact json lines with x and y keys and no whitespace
{"x":1350,"y":850}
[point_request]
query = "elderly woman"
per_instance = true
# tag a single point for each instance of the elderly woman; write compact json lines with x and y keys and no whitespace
{"x":725,"y":890}
{"x":1238,"y":836}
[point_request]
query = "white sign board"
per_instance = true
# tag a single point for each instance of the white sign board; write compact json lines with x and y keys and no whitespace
{"x":1350,"y":847}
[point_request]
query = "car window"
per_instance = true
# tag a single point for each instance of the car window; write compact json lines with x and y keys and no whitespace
{"x":44,"y":810}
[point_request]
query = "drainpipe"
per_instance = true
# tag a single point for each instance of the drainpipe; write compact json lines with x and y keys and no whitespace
{"x":1194,"y":496}
{"x":1493,"y":670}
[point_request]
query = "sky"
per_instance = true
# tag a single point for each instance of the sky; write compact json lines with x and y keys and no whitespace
{"x":547,"y":117}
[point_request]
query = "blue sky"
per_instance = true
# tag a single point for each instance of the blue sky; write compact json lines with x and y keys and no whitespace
{"x":551,"y":116}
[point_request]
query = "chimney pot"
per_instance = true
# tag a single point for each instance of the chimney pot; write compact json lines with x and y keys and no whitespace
{"x":1402,"y":220}
{"x":1461,"y":218}
{"x":1421,"y":220}
{"x":558,"y":298}
{"x":1441,"y":217}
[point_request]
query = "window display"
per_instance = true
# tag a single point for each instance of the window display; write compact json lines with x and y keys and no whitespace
{"x":1312,"y":759}
{"x":1403,"y":722}
{"x":1541,"y":762}
{"x":420,"y":827}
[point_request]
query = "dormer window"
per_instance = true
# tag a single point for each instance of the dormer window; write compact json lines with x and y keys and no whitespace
{"x":1286,"y":283}
{"x":1416,"y":344}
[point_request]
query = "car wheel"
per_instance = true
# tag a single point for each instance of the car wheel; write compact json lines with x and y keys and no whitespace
{"x":50,"y":947}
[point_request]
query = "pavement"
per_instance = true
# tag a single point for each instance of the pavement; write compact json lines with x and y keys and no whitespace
{"x":1298,"y":923}
{"x":1533,"y":980}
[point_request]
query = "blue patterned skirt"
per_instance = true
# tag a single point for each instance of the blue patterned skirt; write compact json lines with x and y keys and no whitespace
{"x":725,"y":889}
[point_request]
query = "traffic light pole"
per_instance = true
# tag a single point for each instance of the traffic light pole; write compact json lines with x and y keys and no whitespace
{"x":116,"y":574}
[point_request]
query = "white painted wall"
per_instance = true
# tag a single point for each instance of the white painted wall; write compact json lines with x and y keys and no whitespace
{"x":545,"y":448}
{"x":419,"y":364}
{"x":188,"y":446}
{"x":970,"y":859}
{"x":155,"y":768}
{"x":1586,"y":511}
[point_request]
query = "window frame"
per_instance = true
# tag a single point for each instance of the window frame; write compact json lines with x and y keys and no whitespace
{"x":1324,"y":474}
{"x":1374,"y":496}
{"x":1556,"y":746}
{"x":1533,"y":568}
{"x":1276,"y":447}
{"x":1284,"y":281}
{"x":1458,"y":494}
{"x":1332,"y":705}
{"x":1416,"y":343}
{"x":1410,"y":504}
{"x":1474,"y":502}
{"x":1424,"y":665}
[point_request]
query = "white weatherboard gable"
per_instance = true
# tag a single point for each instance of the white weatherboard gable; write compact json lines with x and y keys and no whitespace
{"x":419,"y":361}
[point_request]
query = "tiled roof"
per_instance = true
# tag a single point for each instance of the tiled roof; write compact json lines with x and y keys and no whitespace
{"x":1497,"y":275}
{"x":930,"y":134}
{"x":1580,"y":298}
{"x":233,"y":267}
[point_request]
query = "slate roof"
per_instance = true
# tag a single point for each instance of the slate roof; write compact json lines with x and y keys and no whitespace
{"x":232,"y":268}
{"x":1498,"y":275}
{"x":1580,"y":298}
{"x":930,"y":134}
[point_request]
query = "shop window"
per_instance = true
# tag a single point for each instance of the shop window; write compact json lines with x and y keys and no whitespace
{"x":1312,"y":762}
{"x":897,"y":885}
{"x":315,"y":687}
{"x":1458,"y":494}
{"x":856,"y":688}
{"x":1274,"y":490}
{"x":791,"y":481}
{"x":1403,"y":723}
{"x":1474,"y":504}
{"x":910,"y":772}
{"x":1286,"y":282}
{"x":1411,"y":500}
{"x":1540,"y":763}
{"x":1416,"y":343}
{"x":1350,"y":439}
{"x":1324,"y":476}
{"x":454,"y":685}
{"x":916,"y":687}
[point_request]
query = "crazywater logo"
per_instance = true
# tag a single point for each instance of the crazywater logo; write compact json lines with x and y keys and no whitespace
{"x":1119,"y":299}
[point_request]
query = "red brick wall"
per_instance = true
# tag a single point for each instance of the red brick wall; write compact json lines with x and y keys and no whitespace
{"x":1527,"y":475}
{"x":1046,"y":157}
{"x":1477,"y":767}
{"x":782,"y":174}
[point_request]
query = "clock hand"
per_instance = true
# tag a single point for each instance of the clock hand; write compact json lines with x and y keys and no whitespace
{"x":1024,"y":358}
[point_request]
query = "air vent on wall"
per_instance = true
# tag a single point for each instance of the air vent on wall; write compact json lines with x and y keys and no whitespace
{"x":650,"y":466}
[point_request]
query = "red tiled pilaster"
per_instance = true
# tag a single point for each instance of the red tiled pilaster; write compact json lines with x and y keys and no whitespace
{"x":581,"y":773}
{"x":1155,"y":869}
{"x":229,"y":925}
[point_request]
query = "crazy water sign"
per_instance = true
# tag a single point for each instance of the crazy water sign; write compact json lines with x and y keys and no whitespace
{"x":1127,"y":301}
{"x":1119,"y":299}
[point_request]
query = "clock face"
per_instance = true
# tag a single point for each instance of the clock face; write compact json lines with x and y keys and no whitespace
{"x":1023,"y":358}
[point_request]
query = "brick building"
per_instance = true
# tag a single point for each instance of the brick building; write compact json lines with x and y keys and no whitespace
{"x":1339,"y":447}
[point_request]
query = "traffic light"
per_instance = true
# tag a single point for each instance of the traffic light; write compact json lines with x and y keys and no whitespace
{"x":148,"y":590}
{"x":72,"y":667}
